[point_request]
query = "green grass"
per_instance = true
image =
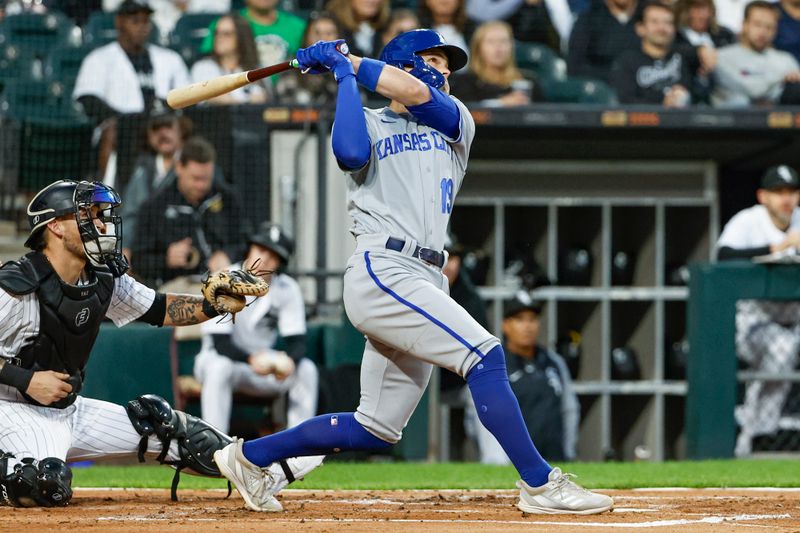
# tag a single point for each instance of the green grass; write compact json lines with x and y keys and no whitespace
{"x":337,"y":475}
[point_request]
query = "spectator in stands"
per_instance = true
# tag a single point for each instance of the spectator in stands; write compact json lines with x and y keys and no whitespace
{"x":241,"y":356}
{"x":401,"y":21}
{"x":542,"y":21}
{"x":655,"y":73}
{"x":278,"y":34}
{"x":151,"y":173}
{"x":128,"y":75}
{"x":752,"y":72}
{"x":541,"y":382}
{"x":192,"y":226}
{"x":698,"y":25}
{"x":788,"y":36}
{"x":493,"y":78}
{"x":600,"y":35}
{"x":448,"y":17}
{"x":234,"y":50}
{"x":767,"y":332}
{"x":361,"y":22}
{"x":698,"y":28}
{"x":167,"y":12}
{"x":295,"y":88}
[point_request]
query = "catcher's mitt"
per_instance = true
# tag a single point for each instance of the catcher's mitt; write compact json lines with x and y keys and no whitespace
{"x":225,"y":291}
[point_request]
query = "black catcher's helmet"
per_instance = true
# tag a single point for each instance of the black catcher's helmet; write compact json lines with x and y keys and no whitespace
{"x":66,"y":197}
{"x":271,"y":236}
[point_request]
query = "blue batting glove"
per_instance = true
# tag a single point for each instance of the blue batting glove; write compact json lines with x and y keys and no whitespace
{"x":308,"y":64}
{"x":331,"y":54}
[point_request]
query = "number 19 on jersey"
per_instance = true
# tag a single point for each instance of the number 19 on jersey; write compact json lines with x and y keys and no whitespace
{"x":446,"y":186}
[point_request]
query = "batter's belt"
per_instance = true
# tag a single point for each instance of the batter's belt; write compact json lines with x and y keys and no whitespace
{"x":406,"y":247}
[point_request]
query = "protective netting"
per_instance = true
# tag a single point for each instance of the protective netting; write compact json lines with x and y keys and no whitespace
{"x":767,"y":344}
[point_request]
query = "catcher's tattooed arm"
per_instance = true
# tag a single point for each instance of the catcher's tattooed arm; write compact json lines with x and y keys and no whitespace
{"x":184,"y":310}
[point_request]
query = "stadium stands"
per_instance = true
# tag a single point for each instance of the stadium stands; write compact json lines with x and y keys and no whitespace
{"x":189,"y":33}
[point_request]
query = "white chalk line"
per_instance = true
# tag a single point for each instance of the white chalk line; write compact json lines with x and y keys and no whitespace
{"x":633,"y":525}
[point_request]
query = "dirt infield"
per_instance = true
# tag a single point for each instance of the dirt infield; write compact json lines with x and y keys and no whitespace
{"x":143,"y":511}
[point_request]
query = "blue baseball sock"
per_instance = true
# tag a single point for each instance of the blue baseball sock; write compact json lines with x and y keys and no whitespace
{"x":499,"y":412}
{"x":321,"y":435}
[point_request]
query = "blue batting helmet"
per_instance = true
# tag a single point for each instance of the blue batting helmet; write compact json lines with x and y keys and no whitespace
{"x":403,"y":50}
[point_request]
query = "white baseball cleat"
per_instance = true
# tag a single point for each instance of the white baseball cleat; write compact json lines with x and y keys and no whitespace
{"x":561,"y":496}
{"x":256,"y":485}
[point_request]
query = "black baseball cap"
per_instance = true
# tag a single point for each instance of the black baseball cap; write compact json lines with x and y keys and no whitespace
{"x":131,"y":7}
{"x":521,"y":301}
{"x":780,"y":177}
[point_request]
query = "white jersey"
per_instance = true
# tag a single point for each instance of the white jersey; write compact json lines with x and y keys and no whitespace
{"x":280,"y":312}
{"x":414,"y":172}
{"x":753,"y":228}
{"x":108,"y":74}
{"x":20,"y":318}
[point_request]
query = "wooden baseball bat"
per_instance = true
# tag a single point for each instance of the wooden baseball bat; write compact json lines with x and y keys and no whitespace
{"x":205,"y":90}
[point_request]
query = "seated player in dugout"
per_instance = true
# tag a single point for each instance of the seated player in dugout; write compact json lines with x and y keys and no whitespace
{"x":241,"y":356}
{"x":52,"y":302}
{"x":767,"y":331}
{"x":541,"y":382}
{"x":404,"y":165}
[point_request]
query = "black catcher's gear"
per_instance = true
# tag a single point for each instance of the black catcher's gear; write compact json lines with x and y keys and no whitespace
{"x":197,"y":440}
{"x":70,"y":318}
{"x":32,"y":483}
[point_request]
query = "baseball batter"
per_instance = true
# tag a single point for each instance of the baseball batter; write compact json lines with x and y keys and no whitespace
{"x":405,"y":164}
{"x":241,"y":356}
{"x":52,"y":302}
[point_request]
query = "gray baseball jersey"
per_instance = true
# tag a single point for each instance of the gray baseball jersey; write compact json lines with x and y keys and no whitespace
{"x":408,"y":186}
{"x":399,"y":302}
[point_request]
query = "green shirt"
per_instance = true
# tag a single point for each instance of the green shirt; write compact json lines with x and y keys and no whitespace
{"x":275,"y":42}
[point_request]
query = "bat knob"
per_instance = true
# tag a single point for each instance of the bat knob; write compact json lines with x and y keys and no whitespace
{"x":343,"y":48}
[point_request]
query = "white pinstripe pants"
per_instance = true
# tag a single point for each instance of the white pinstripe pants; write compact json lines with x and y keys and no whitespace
{"x":88,"y":429}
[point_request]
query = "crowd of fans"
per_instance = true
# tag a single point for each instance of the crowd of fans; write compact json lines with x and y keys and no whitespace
{"x":727,"y":53}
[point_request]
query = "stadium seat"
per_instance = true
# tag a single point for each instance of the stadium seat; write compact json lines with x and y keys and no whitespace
{"x":37,"y":33}
{"x":188,"y":34}
{"x":26,"y":100}
{"x":578,"y":90}
{"x":16,"y":64}
{"x":540,"y":59}
{"x":55,"y":136}
{"x":100,"y":30}
{"x":63,"y":64}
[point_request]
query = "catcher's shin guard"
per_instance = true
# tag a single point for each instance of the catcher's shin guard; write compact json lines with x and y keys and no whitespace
{"x":197,"y":440}
{"x":32,"y":483}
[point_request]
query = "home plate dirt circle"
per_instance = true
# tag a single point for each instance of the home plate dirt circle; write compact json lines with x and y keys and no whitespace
{"x":143,"y":511}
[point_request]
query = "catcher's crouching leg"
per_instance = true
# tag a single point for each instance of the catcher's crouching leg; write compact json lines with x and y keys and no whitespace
{"x":32,"y":483}
{"x":197,"y":440}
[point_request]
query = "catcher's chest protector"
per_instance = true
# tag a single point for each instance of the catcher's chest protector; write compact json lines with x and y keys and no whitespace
{"x":70,"y":315}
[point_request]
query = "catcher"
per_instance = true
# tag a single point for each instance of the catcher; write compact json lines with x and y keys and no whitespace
{"x":52,"y":301}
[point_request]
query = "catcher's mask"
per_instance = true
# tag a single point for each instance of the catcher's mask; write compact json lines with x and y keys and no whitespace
{"x":66,"y":197}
